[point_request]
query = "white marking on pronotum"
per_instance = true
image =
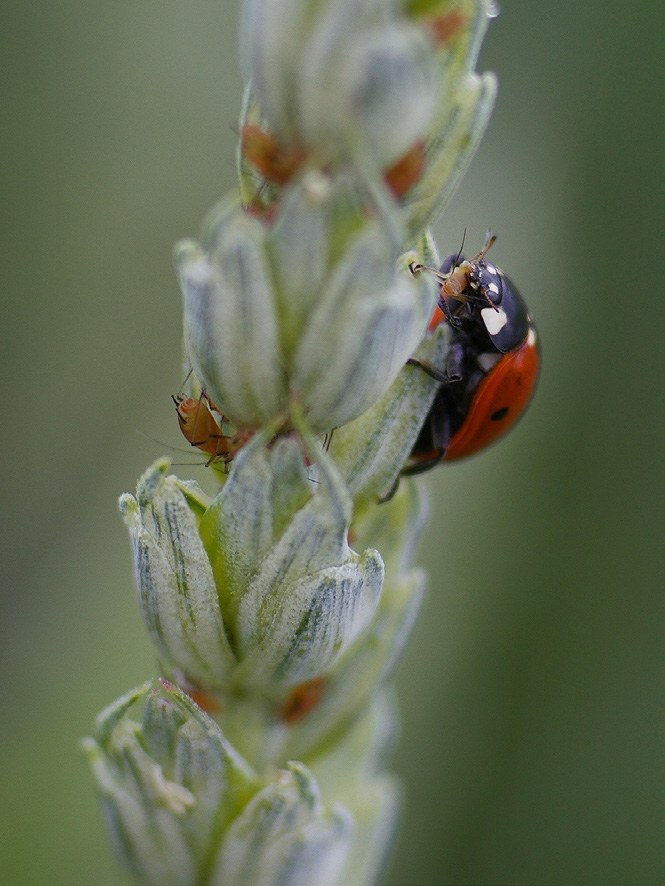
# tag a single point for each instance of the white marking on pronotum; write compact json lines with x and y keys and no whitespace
{"x":494,"y":320}
{"x":493,"y":288}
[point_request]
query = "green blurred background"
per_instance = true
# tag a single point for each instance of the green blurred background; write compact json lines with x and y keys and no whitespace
{"x":532,"y":689}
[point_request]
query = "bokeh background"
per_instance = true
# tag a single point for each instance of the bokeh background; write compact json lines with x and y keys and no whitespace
{"x":532,"y":689}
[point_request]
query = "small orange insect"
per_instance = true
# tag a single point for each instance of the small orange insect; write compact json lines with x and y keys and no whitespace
{"x":205,"y":701}
{"x":404,"y":174}
{"x":197,"y":417}
{"x":278,"y":165}
{"x":275,"y":163}
{"x":302,"y":700}
{"x":447,"y":28}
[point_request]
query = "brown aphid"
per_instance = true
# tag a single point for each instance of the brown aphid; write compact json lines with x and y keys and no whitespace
{"x":205,"y":701}
{"x":276,"y":163}
{"x":447,"y":28}
{"x":302,"y":700}
{"x":407,"y":171}
{"x":201,"y":428}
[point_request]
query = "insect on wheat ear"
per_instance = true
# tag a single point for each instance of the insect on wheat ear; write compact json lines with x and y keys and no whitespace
{"x":201,"y":425}
{"x":493,"y":363}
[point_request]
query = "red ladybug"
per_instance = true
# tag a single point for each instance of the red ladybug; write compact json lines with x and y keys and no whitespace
{"x":492,"y":366}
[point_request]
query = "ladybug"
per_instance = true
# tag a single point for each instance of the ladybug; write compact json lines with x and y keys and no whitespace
{"x":492,"y":365}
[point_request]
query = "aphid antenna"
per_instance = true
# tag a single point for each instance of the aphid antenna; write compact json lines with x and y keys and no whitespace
{"x":490,"y":240}
{"x":178,"y":397}
{"x":169,"y":447}
{"x":459,"y":254}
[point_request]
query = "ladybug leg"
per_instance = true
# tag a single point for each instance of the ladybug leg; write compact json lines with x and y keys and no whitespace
{"x":439,"y":425}
{"x":430,"y":369}
{"x":437,"y":431}
{"x":444,"y":307}
{"x":393,"y":490}
{"x":455,"y":362}
{"x":453,"y":368}
{"x":437,"y":435}
{"x":419,"y":468}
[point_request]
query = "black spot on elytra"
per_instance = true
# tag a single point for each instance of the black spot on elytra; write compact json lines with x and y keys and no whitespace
{"x":499,"y":414}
